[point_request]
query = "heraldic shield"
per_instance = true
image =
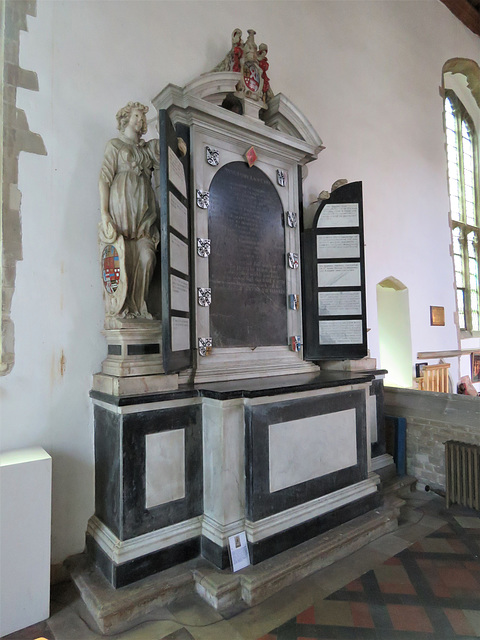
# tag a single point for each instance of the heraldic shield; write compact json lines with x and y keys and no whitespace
{"x":114,"y":275}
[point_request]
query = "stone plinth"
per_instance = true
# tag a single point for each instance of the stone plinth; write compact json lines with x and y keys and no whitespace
{"x":134,"y":362}
{"x":134,"y":348}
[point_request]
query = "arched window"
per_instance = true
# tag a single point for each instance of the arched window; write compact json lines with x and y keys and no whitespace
{"x":462,"y":156}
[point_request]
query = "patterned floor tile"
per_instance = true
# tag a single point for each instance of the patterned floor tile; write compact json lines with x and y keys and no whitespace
{"x":429,"y":590}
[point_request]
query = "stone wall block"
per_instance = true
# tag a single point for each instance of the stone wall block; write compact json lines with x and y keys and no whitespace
{"x":27,"y":79}
{"x":6,"y":364}
{"x":9,"y":272}
{"x":21,"y":121}
{"x":9,"y":96}
{"x":7,"y":295}
{"x":12,"y":237}
{"x":9,"y":108}
{"x":11,"y":72}
{"x":11,"y":50}
{"x":31,"y":142}
{"x":10,"y":173}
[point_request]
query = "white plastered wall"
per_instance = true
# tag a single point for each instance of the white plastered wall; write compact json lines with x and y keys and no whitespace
{"x":366,"y":74}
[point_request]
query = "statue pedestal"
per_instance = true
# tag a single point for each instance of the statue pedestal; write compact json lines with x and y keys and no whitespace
{"x":134,"y":361}
{"x":363,"y":364}
{"x":251,"y":106}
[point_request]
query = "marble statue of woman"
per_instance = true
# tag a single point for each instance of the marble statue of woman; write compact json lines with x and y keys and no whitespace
{"x":128,"y":206}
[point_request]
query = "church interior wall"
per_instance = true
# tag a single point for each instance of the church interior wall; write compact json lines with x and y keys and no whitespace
{"x":367,"y":75}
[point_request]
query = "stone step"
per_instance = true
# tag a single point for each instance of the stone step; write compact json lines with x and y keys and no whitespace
{"x":399,"y":485}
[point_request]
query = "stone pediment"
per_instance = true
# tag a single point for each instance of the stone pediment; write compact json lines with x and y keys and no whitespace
{"x":282,"y":114}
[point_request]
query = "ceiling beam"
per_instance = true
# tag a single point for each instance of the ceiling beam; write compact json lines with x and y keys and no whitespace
{"x":465,"y":12}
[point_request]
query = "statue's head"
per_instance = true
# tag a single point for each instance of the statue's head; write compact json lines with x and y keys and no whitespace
{"x":262,"y":51}
{"x":123,"y":116}
{"x":236,"y":36}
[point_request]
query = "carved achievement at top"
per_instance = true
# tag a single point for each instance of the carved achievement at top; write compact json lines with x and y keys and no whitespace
{"x":129,"y":211}
{"x":252,"y":63}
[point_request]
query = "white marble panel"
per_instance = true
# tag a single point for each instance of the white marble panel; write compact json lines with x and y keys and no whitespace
{"x":223,"y":464}
{"x":164,"y":467}
{"x":309,"y":448}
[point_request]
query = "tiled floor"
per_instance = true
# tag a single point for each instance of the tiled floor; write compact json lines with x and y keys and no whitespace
{"x":422,"y":581}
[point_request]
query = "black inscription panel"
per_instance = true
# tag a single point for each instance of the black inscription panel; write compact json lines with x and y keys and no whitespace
{"x":247,"y":262}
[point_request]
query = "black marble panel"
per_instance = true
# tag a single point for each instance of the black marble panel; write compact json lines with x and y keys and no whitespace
{"x":273,"y":545}
{"x":247,"y":262}
{"x":143,"y":349}
{"x":120,"y":575}
{"x":215,"y":554}
{"x":379,"y":447}
{"x":137,"y":518}
{"x":120,"y":449}
{"x":108,"y":482}
{"x":114,"y":349}
{"x":260,"y":503}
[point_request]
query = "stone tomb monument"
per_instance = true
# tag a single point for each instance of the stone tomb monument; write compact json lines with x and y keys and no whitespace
{"x":220,"y":425}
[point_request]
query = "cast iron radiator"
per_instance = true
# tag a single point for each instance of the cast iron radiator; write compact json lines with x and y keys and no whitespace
{"x":462,"y":474}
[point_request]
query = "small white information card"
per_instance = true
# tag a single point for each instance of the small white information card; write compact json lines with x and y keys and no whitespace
{"x":237,"y":545}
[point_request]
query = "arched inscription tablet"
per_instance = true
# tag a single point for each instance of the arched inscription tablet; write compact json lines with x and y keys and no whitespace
{"x":247,"y":261}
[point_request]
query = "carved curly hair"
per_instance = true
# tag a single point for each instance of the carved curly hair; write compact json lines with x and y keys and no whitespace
{"x":123,"y":115}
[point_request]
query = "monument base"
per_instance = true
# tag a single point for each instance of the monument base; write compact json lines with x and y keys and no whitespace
{"x":117,"y":610}
{"x":282,"y":459}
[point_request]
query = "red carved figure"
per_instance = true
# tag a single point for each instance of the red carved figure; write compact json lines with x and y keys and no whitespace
{"x":237,"y":56}
{"x":263,"y":64}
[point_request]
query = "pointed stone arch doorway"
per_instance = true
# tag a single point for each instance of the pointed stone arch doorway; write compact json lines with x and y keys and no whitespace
{"x":393,"y":310}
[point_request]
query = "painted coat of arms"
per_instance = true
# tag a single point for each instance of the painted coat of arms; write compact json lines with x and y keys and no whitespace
{"x":110,"y":268}
{"x":114,"y":276}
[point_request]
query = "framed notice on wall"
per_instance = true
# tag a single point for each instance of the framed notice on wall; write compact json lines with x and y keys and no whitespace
{"x":334,"y":311}
{"x":175,"y":247}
